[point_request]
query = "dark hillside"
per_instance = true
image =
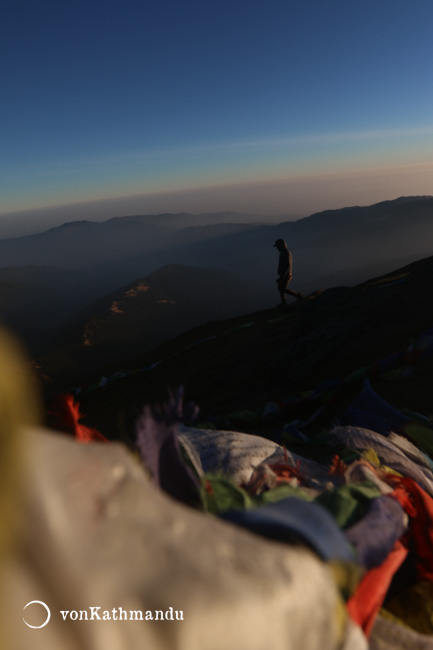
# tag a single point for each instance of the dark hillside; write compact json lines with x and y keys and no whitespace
{"x":141,"y":315}
{"x":243,"y":363}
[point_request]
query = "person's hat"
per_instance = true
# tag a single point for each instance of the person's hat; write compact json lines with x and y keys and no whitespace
{"x":279,"y":242}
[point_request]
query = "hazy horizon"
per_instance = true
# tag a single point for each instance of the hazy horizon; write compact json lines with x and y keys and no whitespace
{"x":291,"y":198}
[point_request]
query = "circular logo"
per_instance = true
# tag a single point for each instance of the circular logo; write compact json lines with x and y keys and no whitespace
{"x":38,"y":602}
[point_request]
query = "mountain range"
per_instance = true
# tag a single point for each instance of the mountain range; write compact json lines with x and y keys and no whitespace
{"x":53,"y":280}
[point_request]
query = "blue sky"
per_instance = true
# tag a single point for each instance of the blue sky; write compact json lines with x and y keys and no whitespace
{"x":119,"y":98}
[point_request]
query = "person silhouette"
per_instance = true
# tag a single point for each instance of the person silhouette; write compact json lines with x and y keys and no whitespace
{"x":285,"y":272}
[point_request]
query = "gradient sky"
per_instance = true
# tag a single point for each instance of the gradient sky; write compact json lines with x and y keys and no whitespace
{"x":163,"y":98}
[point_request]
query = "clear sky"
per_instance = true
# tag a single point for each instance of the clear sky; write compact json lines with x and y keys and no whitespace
{"x":163,"y":98}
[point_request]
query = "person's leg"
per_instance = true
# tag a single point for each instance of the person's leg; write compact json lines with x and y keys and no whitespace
{"x":296,"y":294}
{"x":282,"y":287}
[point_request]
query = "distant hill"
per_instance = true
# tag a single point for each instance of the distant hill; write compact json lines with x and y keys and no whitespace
{"x":234,"y":365}
{"x":336,"y":247}
{"x":143,"y":314}
{"x":80,"y":244}
{"x":343,"y":246}
{"x":87,"y":244}
{"x":35,"y":300}
{"x":182,"y":220}
{"x":29,"y":222}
